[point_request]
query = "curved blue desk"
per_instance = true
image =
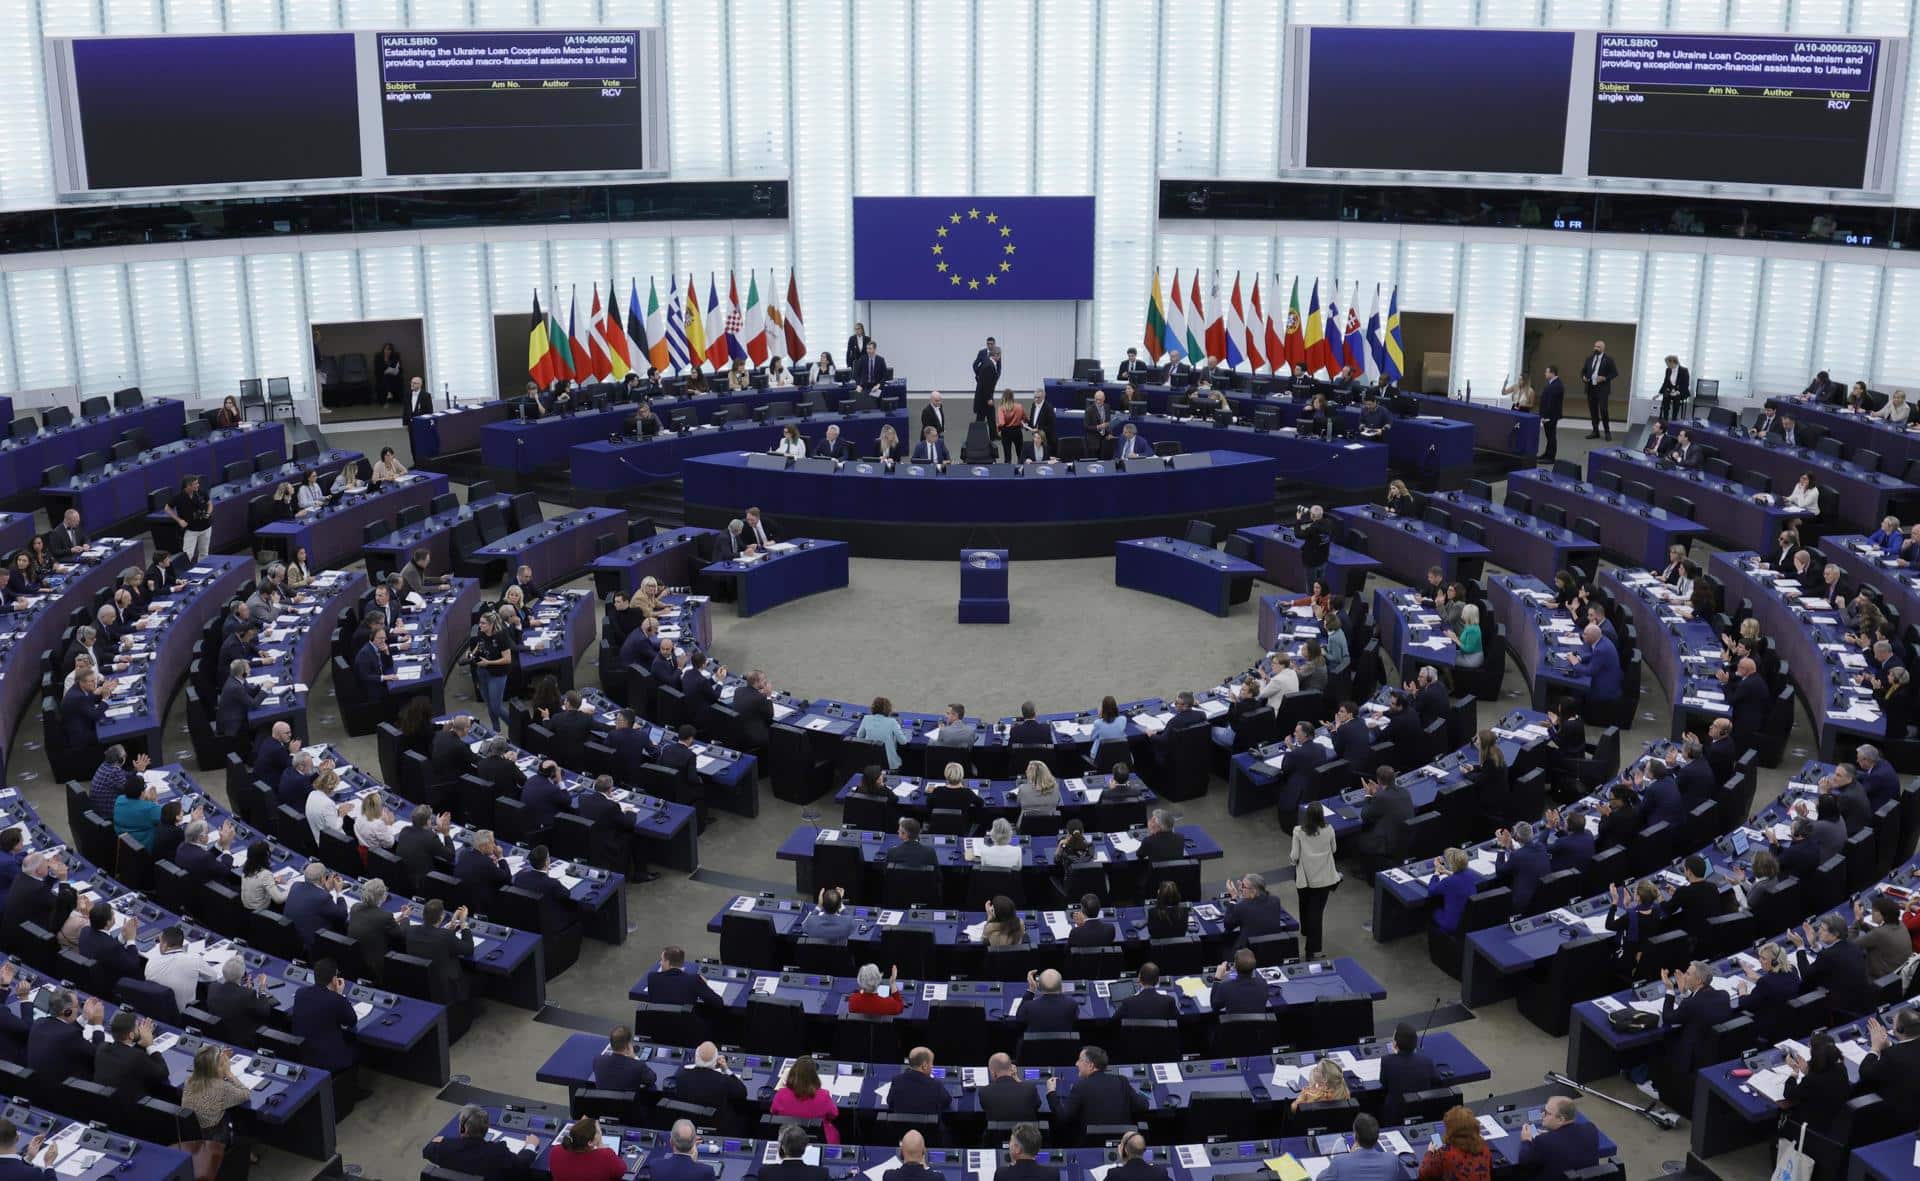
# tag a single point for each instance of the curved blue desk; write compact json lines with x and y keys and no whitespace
{"x":24,"y":635}
{"x":1031,"y":510}
{"x":603,"y":467}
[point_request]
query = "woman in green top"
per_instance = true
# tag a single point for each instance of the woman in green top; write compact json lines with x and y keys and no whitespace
{"x":882,"y":727}
{"x":1471,"y":654}
{"x":135,"y":814}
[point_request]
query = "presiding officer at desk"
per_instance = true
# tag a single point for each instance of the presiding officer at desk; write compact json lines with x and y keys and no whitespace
{"x":1564,"y":1145}
{"x":471,"y":1152}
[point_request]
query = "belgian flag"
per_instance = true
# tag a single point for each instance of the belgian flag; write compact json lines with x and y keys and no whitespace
{"x":539,"y":348}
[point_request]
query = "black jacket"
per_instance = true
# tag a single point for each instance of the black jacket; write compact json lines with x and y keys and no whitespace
{"x":1100,"y":1098}
{"x":490,"y":1160}
{"x":1149,"y":1004}
{"x":131,"y":1072}
{"x":707,"y":1088}
{"x":914,"y":1093}
{"x":1052,"y":1012}
{"x":1009,"y":1100}
{"x":1400,"y":1075}
{"x":1891,"y":1074}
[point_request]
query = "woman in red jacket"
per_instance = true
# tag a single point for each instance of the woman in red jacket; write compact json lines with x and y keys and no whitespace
{"x":578,"y":1155}
{"x":1462,"y":1156}
{"x":868,"y":1001}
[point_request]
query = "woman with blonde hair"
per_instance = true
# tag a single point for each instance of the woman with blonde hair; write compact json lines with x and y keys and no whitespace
{"x":737,"y":376}
{"x":1897,"y":410}
{"x":1472,"y":651}
{"x":211,"y":1091}
{"x":1325,"y":1083}
{"x":1039,"y":791}
{"x":889,"y":446}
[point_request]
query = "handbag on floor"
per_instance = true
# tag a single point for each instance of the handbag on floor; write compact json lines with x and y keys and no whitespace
{"x":1790,"y":1159}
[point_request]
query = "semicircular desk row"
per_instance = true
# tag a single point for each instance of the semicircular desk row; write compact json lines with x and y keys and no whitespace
{"x":1031,"y":510}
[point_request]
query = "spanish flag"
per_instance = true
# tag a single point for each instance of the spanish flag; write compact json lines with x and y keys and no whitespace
{"x":696,"y":331}
{"x":539,"y":351}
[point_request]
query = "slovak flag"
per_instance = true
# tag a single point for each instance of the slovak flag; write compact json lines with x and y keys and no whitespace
{"x":1356,"y":343}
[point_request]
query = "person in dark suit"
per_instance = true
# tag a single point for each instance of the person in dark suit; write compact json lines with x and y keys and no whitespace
{"x":681,"y":1162}
{"x":1891,"y":1064}
{"x":1403,"y":1072}
{"x":1603,"y":668}
{"x":870,"y":369}
{"x":1131,"y":445}
{"x":1239,"y":988}
{"x":25,"y":1160}
{"x":856,"y":348}
{"x":425,"y":845}
{"x":792,"y":1165}
{"x":1694,"y":775}
{"x":1691,"y":1009}
{"x":1301,"y":756}
{"x":1383,"y":839}
{"x":702,"y":692}
{"x":1564,"y":1145}
{"x":1521,"y":865}
{"x":1749,"y":698}
{"x":934,"y":414}
{"x":1007,"y":1098}
{"x":1597,"y":373}
{"x":572,"y":727}
{"x":1698,"y":902}
{"x":707,"y":1082}
{"x":1148,"y":1002}
{"x":1252,"y":911}
{"x":114,"y":953}
{"x":481,"y":870}
{"x":1403,"y":723}
{"x":670,"y":983}
{"x":1429,"y":695}
{"x":1553,"y":407}
{"x":323,"y":1016}
{"x":1029,"y":730}
{"x":373,"y":664}
{"x":618,"y":1068}
{"x":448,"y":755}
{"x":1046,"y":1008}
{"x":1351,"y":741}
{"x":1660,"y":799}
{"x":125,"y":1062}
{"x":1089,"y":929}
{"x":986,"y":379}
{"x":910,"y":852}
{"x":296,"y":781}
{"x":237,"y":699}
{"x":82,"y":709}
{"x":1099,"y":1098}
{"x":1823,"y":389}
{"x":832,"y":446}
{"x":310,"y":904}
{"x":1040,"y":415}
{"x":473,"y":1153}
{"x":599,"y":808}
{"x":442,"y":940}
{"x":57,"y":1048}
{"x":753,"y":702}
{"x":1676,"y":386}
{"x":556,"y":903}
{"x":1096,"y":424}
{"x":67,"y":538}
{"x":545,"y":795}
{"x":1877,"y":776}
{"x":1023,"y":1145}
{"x":374,"y":929}
{"x":915,"y":1091}
{"x":929,"y":449}
{"x":273,"y":753}
{"x":1161,"y":842}
{"x":1569,"y":844}
{"x":1840,"y":967}
{"x":240,"y":1003}
{"x":242,"y":646}
{"x":1686,"y":453}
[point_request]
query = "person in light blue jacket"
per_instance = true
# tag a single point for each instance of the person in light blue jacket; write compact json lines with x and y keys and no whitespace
{"x":882,"y":727}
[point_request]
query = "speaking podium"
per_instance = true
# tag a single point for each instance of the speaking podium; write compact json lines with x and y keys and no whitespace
{"x":983,"y":586}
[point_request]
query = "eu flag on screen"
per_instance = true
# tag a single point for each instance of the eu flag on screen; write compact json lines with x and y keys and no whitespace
{"x":973,"y":248}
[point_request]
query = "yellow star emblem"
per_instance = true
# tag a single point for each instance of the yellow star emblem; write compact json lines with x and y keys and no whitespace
{"x":937,"y":248}
{"x":992,"y":217}
{"x":973,"y":215}
{"x":954,"y":279}
{"x":1009,"y":248}
{"x":1006,"y":231}
{"x":992,"y":279}
{"x":1006,"y":266}
{"x":955,"y":219}
{"x":942,"y":231}
{"x":941,"y":267}
{"x":973,"y":284}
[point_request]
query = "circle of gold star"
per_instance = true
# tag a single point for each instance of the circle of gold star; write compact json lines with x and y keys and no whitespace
{"x":944,"y":236}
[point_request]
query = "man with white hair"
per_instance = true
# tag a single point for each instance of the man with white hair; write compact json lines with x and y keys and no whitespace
{"x":1253,"y":911}
{"x":240,"y":1002}
{"x":682,"y":1162}
{"x":1562,"y":1147}
{"x":197,"y":854}
{"x":311,"y":905}
{"x":472,"y":1152}
{"x":30,"y":898}
{"x":707,"y":1082}
{"x":1316,"y":541}
{"x":376,"y":929}
{"x":833,"y":446}
{"x":732,"y":544}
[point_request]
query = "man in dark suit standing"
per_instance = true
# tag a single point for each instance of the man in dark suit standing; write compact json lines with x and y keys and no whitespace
{"x":870,"y":370}
{"x":1099,"y":1098}
{"x":240,"y":1002}
{"x":545,"y":795}
{"x":1007,"y":1098}
{"x":1693,"y":1007}
{"x":934,"y":414}
{"x":599,"y":808}
{"x":448,"y":756}
{"x":1302,"y":755}
{"x":1553,"y":406}
{"x":556,"y":904}
{"x":1840,"y":966}
{"x":1096,"y":424}
{"x":1597,"y":374}
{"x":323,"y":1016}
{"x":986,"y":378}
{"x":1040,"y":415}
{"x":114,"y":955}
{"x":373,"y":664}
{"x":473,"y":1153}
{"x":442,"y":941}
{"x":1522,"y":863}
{"x":125,"y":1063}
{"x":753,"y":702}
{"x":1676,"y":386}
{"x":1403,"y":1072}
{"x":237,"y":699}
{"x":1383,"y":839}
{"x":1563,"y":1146}
{"x":856,"y":348}
{"x":572,"y":729}
{"x":1749,"y":699}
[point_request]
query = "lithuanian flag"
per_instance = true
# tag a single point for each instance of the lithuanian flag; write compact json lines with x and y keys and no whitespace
{"x":1155,"y":337}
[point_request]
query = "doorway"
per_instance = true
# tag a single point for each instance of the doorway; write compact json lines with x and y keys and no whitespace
{"x":1426,"y":344}
{"x":1567,"y":344}
{"x":353,"y":384}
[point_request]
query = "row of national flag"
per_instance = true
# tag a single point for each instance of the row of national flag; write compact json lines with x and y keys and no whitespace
{"x":669,"y":337}
{"x":1245,"y":333}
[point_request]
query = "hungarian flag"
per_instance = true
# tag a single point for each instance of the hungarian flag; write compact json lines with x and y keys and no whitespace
{"x":1296,"y":335}
{"x":1176,"y":321}
{"x":620,"y":353}
{"x":717,"y":329}
{"x":736,"y":323}
{"x":1235,"y":328}
{"x":1276,"y":346}
{"x":1196,"y":322}
{"x":654,"y":327}
{"x":1216,"y":327}
{"x":1315,"y":329}
{"x":598,"y":364}
{"x":796,"y":330}
{"x":539,"y":352}
{"x":696,"y":329}
{"x":564,"y":368}
{"x":754,"y":324}
{"x":1156,"y":331}
{"x":1256,"y":320}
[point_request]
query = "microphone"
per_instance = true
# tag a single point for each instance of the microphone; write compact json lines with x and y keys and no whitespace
{"x":1422,"y":1039}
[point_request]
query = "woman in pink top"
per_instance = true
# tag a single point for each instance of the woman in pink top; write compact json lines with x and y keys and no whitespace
{"x":803,"y":1097}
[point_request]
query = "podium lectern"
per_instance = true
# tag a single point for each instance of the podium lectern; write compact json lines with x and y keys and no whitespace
{"x":983,"y":586}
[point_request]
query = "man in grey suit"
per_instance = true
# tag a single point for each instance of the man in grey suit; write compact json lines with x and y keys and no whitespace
{"x":829,"y":922}
{"x":954,"y":729}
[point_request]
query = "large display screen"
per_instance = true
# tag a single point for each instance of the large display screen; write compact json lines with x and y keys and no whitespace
{"x":131,"y":113}
{"x":1439,"y":99}
{"x":1707,"y":109}
{"x":1755,"y":110}
{"x":512,"y":102}
{"x":973,"y":248}
{"x":167,"y":111}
